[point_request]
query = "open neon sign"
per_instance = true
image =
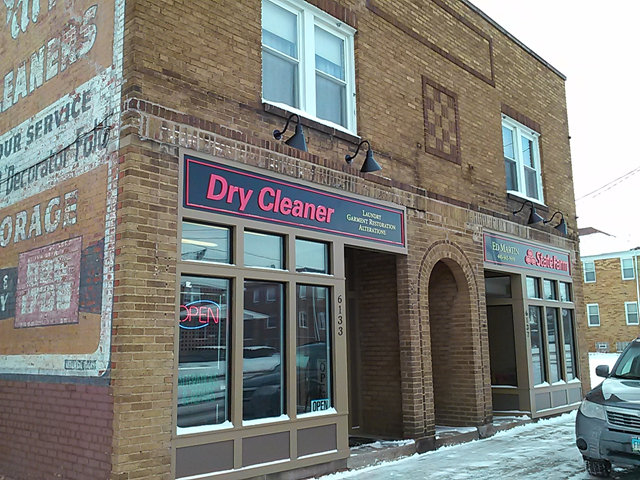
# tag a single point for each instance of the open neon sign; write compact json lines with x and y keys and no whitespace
{"x":199,"y":314}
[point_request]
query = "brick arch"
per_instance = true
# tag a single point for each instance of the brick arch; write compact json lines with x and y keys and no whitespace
{"x":447,"y":285}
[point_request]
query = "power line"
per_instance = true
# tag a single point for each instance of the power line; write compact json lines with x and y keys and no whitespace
{"x":610,"y":185}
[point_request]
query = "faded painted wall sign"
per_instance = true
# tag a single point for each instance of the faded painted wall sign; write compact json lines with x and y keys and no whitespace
{"x":48,"y":285}
{"x":60,"y":81}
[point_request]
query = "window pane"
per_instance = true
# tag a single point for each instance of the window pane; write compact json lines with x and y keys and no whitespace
{"x":313,"y":352}
{"x":593,"y":312}
{"x":330,"y":100}
{"x":550,"y":290}
{"x":279,"y":80}
{"x":627,"y":269}
{"x":531,"y":179}
{"x":533,"y":287}
{"x":537,"y":345}
{"x":202,"y":356}
{"x":263,"y":376}
{"x":205,"y":243}
{"x":589,"y":271}
{"x":527,"y":152}
{"x":329,"y":54}
{"x":512,"y":175}
{"x":569,"y":344}
{"x":312,"y":256}
{"x":507,"y":142}
{"x":497,"y":287}
{"x":279,"y":29}
{"x":632,"y":312}
{"x":565,"y":292}
{"x":553,"y":337}
{"x":263,"y":250}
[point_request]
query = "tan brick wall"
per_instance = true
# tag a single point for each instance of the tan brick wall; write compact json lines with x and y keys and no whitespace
{"x":144,"y":314}
{"x":218,"y":79}
{"x":200,"y":63}
{"x":379,"y":344}
{"x":610,"y":292}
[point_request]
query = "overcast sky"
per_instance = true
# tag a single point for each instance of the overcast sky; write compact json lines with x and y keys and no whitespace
{"x":595,"y":45}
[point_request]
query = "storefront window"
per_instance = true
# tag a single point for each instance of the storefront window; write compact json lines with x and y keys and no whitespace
{"x":202,"y":356}
{"x":565,"y":292}
{"x":498,"y":287}
{"x":533,"y":287}
{"x":537,"y":345}
{"x":263,"y":375}
{"x":553,"y":340}
{"x":312,"y":257}
{"x":550,"y":290}
{"x":263,"y":250}
{"x":569,"y":342}
{"x":313,"y":352}
{"x":205,"y":243}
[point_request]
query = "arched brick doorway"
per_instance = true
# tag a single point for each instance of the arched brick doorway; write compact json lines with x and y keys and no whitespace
{"x":453,"y":338}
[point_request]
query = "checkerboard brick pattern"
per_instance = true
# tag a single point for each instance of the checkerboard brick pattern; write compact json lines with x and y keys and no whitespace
{"x":442,"y":132}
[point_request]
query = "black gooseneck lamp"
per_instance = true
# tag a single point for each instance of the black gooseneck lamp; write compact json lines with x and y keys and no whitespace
{"x":562,"y":226}
{"x":297,"y":139}
{"x":533,"y":216}
{"x":369,"y":165}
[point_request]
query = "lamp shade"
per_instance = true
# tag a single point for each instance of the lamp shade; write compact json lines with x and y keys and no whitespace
{"x":534,"y":217}
{"x":562,"y":226}
{"x":297,"y":140}
{"x":370,"y":165}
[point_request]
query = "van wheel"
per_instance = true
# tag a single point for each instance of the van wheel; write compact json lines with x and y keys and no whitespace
{"x":598,"y":468}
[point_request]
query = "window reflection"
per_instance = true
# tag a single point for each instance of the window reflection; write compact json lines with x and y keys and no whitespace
{"x":550,"y":290}
{"x":263,"y":376}
{"x":313,"y":352}
{"x":569,"y":342}
{"x":202,"y":356}
{"x":537,"y":345}
{"x":553,"y":338}
{"x":533,"y":287}
{"x":205,"y":243}
{"x":263,"y":250}
{"x":311,"y":256}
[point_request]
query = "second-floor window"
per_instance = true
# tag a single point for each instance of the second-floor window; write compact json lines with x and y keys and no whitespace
{"x":521,"y":160}
{"x":627,"y":268}
{"x":308,"y":62}
{"x":589,"y":272}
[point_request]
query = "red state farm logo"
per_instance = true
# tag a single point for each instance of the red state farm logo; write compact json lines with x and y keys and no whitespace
{"x":530,"y":258}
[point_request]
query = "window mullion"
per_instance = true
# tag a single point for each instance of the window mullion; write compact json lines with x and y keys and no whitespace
{"x":517,"y":144}
{"x":308,"y":67}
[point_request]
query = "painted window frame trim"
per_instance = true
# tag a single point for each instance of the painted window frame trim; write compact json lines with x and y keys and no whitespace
{"x":520,"y":130}
{"x":308,"y":17}
{"x":589,"y":315}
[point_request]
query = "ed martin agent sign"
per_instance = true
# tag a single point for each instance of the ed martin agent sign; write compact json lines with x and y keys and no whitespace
{"x":532,"y":256}
{"x":221,"y":189}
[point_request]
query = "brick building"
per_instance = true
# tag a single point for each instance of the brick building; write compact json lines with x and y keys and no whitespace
{"x":611,"y":292}
{"x":183,"y":295}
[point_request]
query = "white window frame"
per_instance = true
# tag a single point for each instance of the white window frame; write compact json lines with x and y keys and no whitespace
{"x":322,"y":321}
{"x":302,"y":319}
{"x":633,"y":270}
{"x":584,"y":270}
{"x":627,"y":306}
{"x":589,"y":315}
{"x":308,"y":18}
{"x":520,"y":131}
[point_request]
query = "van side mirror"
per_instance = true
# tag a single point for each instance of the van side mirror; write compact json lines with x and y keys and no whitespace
{"x":602,"y":371}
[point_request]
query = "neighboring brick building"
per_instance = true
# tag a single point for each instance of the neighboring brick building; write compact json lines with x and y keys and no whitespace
{"x":183,"y":295}
{"x":611,"y":294}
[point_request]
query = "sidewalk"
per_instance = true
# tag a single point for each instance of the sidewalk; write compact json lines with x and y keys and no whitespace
{"x":369,"y":454}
